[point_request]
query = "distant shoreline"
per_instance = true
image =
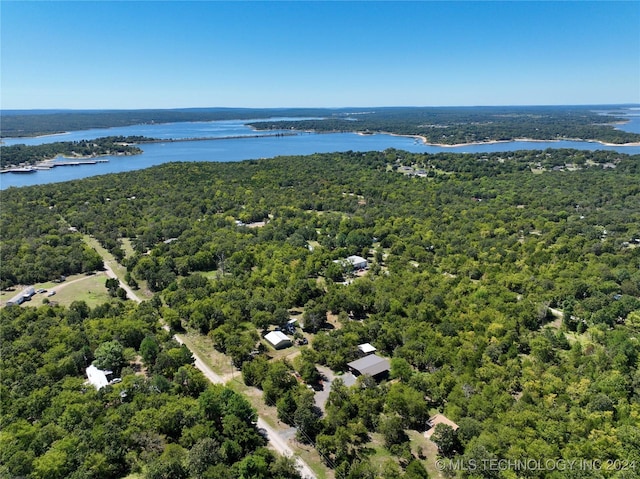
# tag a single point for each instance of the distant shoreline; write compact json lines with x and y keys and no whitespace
{"x":423,"y":139}
{"x":493,"y":142}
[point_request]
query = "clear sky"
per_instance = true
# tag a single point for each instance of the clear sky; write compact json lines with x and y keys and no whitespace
{"x":152,"y":54}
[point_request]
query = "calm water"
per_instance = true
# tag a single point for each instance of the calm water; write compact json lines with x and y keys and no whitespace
{"x":237,"y":149}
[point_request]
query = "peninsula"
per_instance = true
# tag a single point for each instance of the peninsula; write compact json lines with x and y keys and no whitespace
{"x":24,"y":156}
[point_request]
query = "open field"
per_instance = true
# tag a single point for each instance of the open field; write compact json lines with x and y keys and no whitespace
{"x":79,"y":287}
{"x":423,"y":447}
{"x":213,"y":274}
{"x":127,"y":247}
{"x":91,"y":290}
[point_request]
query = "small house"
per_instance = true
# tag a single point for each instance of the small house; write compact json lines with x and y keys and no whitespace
{"x":354,"y":262}
{"x":358,"y":262}
{"x":278,"y":339}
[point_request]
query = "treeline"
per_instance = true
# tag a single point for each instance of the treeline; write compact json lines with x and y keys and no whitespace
{"x":43,"y":122}
{"x":167,"y":422}
{"x":451,"y":126}
{"x":439,"y":125}
{"x":30,"y":154}
{"x":466,"y":263}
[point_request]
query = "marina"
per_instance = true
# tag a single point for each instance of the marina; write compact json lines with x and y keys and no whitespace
{"x":49,"y":164}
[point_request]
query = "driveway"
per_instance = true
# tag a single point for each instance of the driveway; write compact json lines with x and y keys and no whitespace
{"x":322,"y":396}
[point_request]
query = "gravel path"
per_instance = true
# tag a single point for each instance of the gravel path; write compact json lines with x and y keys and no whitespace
{"x":275,"y":440}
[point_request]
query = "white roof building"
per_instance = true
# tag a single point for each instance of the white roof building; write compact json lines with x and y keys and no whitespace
{"x":278,"y":339}
{"x":366,"y":348}
{"x":356,"y":262}
{"x":98,"y":377}
{"x":23,"y":296}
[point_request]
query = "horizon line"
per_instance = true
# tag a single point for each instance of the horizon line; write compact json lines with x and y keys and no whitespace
{"x":62,"y":109}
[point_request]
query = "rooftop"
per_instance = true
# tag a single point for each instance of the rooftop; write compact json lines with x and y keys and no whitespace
{"x":277,"y":338}
{"x":366,"y":348}
{"x":97,"y":377}
{"x":371,"y":365}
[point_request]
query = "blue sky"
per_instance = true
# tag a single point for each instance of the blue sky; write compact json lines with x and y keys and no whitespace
{"x":152,"y":54}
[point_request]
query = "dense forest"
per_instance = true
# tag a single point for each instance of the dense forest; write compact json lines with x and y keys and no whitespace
{"x":503,"y":287}
{"x":451,"y":126}
{"x":30,"y":154}
{"x":162,"y":419}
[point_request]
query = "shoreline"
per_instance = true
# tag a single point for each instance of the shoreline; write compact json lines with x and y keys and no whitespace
{"x":493,"y":142}
{"x":66,"y":160}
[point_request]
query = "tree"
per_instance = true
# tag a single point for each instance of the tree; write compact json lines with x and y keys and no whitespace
{"x":110,"y":356}
{"x":446,"y":439}
{"x":314,"y":317}
{"x":392,"y":429}
{"x":112,"y":284}
{"x":307,"y":417}
{"x":278,"y":381}
{"x":170,"y":464}
{"x":400,"y":368}
{"x":149,"y":349}
{"x":334,"y":272}
{"x":284,"y":467}
{"x":189,"y":380}
{"x":203,"y":454}
{"x":415,"y":470}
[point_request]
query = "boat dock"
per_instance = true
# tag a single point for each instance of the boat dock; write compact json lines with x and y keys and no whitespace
{"x":48,"y":164}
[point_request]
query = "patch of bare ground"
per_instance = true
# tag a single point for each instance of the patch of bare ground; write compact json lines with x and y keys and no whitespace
{"x":333,"y":320}
{"x":138,"y":366}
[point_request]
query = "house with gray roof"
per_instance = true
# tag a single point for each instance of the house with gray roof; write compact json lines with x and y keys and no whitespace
{"x":371,"y":365}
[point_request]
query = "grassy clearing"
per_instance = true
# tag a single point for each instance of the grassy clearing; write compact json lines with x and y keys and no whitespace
{"x":213,"y":274}
{"x":127,"y":247}
{"x":82,"y":286}
{"x":108,"y":258}
{"x":423,"y":447}
{"x":203,"y":347}
{"x":119,"y":270}
{"x":378,"y":454}
{"x":91,"y":290}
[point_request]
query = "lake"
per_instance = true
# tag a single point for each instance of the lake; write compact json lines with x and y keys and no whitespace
{"x":221,"y":148}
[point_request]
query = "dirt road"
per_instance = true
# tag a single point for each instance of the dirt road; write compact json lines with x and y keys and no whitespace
{"x":130,"y":294}
{"x":274,"y":439}
{"x":277,"y":442}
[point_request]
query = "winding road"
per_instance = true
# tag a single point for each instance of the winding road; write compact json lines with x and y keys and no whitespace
{"x":275,"y":440}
